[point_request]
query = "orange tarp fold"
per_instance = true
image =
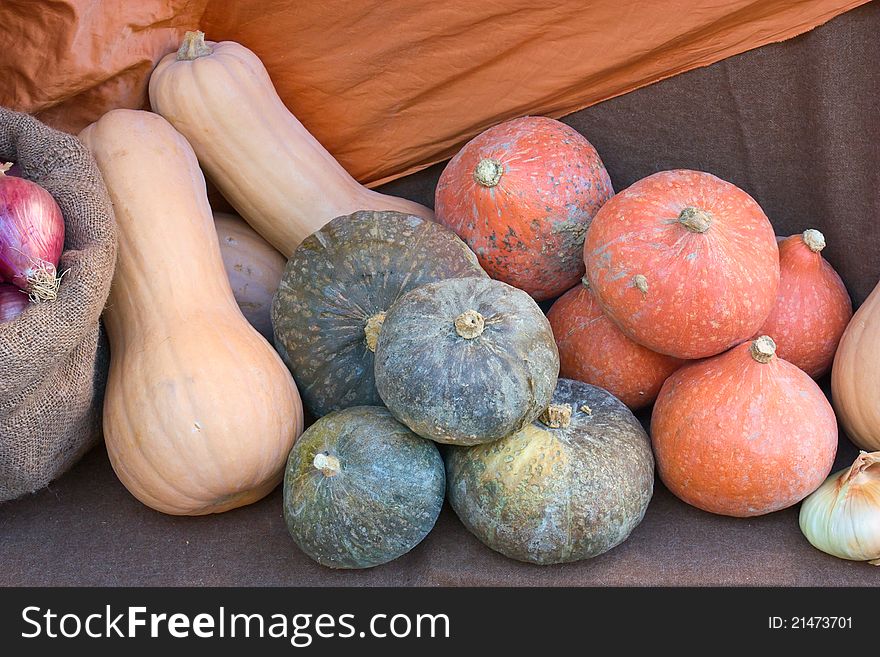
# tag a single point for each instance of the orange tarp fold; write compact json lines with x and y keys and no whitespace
{"x":388,"y":86}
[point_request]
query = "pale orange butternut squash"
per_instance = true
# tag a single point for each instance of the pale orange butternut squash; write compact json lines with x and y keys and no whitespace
{"x":200,"y":412}
{"x":262,"y":159}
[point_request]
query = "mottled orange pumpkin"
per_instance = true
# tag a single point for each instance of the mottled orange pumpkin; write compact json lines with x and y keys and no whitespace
{"x":522,"y":195}
{"x":685,"y":263}
{"x":744,"y":433}
{"x":593,"y":350}
{"x":812,"y":305}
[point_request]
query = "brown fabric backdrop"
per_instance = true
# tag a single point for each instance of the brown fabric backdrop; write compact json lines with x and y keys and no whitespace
{"x":796,"y":124}
{"x":388,"y":86}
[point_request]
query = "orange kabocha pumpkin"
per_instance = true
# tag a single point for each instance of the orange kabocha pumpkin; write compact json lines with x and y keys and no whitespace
{"x":593,"y":350}
{"x":522,"y":195}
{"x":812,"y":305}
{"x":684,"y":262}
{"x":744,"y":433}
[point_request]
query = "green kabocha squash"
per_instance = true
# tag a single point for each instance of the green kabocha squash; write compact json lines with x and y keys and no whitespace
{"x":466,"y":361}
{"x":336,"y":288}
{"x":569,"y":486}
{"x":361,"y":489}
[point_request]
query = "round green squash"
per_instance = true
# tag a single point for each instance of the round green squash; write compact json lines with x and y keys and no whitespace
{"x":360,"y":489}
{"x":336,"y":288}
{"x":466,"y":361}
{"x":552,"y":495}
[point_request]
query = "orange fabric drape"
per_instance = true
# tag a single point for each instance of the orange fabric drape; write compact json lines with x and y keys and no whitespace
{"x":388,"y":86}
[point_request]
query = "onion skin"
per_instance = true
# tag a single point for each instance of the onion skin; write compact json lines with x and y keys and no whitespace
{"x":842,"y":517}
{"x":12,"y":302}
{"x":31,"y":237}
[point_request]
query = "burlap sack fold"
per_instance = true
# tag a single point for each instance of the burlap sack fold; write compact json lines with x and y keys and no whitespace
{"x":54,"y":357}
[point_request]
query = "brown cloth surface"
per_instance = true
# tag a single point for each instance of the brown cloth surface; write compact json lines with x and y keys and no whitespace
{"x":795,"y":124}
{"x":387,"y":86}
{"x":53,"y":357}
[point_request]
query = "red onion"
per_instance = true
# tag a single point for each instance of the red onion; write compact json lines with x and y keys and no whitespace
{"x":31,"y":237}
{"x":12,"y":302}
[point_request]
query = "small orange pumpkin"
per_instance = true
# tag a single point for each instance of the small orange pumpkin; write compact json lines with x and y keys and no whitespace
{"x":522,"y":195}
{"x":593,"y":350}
{"x":685,"y":263}
{"x":812,"y":305}
{"x":744,"y":433}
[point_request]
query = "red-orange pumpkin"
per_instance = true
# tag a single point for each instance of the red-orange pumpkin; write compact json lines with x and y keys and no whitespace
{"x":684,"y":262}
{"x":593,"y":350}
{"x":812,"y":305}
{"x":744,"y":433}
{"x":522,"y":195}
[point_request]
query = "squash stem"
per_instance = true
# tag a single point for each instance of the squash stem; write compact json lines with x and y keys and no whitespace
{"x":488,"y":172}
{"x":470,"y":324}
{"x":193,"y":46}
{"x":327,"y":464}
{"x":372,"y":329}
{"x":763,"y":349}
{"x":695,"y":220}
{"x":814,"y":240}
{"x":557,"y":416}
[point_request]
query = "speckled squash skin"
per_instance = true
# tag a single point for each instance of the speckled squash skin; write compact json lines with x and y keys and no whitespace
{"x":812,"y":307}
{"x":684,"y":263}
{"x":592,"y":349}
{"x":548,"y":495}
{"x":336,"y":288}
{"x":740,"y":437}
{"x":526,"y":208}
{"x":466,"y":390}
{"x":360,"y":489}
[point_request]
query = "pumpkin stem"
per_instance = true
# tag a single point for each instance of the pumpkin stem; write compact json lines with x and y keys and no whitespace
{"x":557,"y":416}
{"x":193,"y":46}
{"x":640,"y":283}
{"x":695,"y":220}
{"x":327,"y":464}
{"x":6,"y":166}
{"x":585,"y":282}
{"x":372,"y":329}
{"x":814,"y":239}
{"x":488,"y":172}
{"x":470,"y":324}
{"x":763,"y":349}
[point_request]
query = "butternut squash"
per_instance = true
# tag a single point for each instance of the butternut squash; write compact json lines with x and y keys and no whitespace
{"x":265,"y":163}
{"x":200,"y":412}
{"x":254,"y":269}
{"x":855,"y":376}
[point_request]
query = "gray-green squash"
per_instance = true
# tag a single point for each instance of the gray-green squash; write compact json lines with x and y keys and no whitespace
{"x":360,"y":489}
{"x":466,"y":361}
{"x":336,"y":288}
{"x":552,"y":495}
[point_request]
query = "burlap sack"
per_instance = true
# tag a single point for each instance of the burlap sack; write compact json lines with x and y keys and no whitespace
{"x":54,"y":357}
